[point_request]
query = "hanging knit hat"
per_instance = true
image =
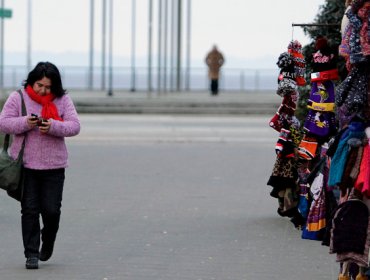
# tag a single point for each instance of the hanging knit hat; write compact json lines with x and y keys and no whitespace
{"x":308,"y":147}
{"x":285,"y":60}
{"x":352,"y":92}
{"x":364,"y":15}
{"x":324,"y":60}
{"x":284,"y":113}
{"x":295,"y":49}
{"x":287,"y":76}
{"x":356,"y":55}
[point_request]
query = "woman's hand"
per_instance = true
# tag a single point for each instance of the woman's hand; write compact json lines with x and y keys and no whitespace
{"x":44,"y":126}
{"x":32,"y":121}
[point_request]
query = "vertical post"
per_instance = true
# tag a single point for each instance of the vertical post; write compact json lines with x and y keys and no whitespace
{"x":91,"y":55}
{"x":165,"y":45}
{"x":150,"y":35}
{"x":29,"y":35}
{"x":172,"y":52}
{"x":133,"y":45}
{"x":188,"y":46}
{"x":2,"y":51}
{"x":110,"y":62}
{"x":159,"y":77}
{"x":103,"y":45}
{"x":179,"y":35}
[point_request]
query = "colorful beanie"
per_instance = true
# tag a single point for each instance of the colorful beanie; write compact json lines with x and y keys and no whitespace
{"x":295,"y":49}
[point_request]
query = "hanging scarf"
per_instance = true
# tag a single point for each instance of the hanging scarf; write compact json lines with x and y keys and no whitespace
{"x":49,"y":110}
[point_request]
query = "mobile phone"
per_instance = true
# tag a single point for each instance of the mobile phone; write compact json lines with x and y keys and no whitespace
{"x":34,"y":117}
{"x":41,"y":122}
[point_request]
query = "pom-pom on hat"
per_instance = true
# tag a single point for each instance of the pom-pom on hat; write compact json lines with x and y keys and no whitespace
{"x":295,"y":46}
{"x":321,"y":43}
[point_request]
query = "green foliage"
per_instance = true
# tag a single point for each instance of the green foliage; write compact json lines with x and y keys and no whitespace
{"x":329,"y":13}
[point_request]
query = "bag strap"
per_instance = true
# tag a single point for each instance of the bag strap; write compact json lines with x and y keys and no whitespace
{"x":7,"y":136}
{"x":24,"y":111}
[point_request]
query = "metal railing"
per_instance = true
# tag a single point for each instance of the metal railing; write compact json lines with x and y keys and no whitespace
{"x":77,"y":78}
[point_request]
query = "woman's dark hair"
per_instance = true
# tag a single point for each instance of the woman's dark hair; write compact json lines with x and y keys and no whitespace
{"x":50,"y":71}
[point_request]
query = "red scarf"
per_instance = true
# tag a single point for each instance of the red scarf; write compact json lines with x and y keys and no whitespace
{"x":49,"y":110}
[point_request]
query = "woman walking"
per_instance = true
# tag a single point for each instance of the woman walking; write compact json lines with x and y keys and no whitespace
{"x":51,"y":116}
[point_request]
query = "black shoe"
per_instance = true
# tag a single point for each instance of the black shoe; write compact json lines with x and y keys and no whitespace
{"x":46,"y":251}
{"x":32,"y":263}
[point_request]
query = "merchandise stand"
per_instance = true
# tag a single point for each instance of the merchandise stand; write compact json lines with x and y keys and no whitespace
{"x":321,"y":175}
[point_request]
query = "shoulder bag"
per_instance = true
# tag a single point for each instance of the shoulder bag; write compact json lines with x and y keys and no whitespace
{"x":11,"y":169}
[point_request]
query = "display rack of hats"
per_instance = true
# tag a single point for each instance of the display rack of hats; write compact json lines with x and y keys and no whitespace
{"x":321,"y":175}
{"x":319,"y":127}
{"x":283,"y":179}
{"x":350,"y":160}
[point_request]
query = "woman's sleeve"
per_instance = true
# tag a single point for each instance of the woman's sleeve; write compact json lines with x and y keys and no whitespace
{"x":70,"y":126}
{"x":11,"y":119}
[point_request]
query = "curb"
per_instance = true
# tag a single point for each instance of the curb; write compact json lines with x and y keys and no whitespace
{"x":176,"y":108}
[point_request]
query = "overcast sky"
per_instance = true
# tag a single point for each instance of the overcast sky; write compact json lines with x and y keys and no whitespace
{"x":246,"y":31}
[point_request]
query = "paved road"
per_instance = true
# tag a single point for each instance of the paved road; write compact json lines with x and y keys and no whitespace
{"x":169,"y":198}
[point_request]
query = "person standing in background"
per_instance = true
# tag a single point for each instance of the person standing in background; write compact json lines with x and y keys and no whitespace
{"x":214,"y":61}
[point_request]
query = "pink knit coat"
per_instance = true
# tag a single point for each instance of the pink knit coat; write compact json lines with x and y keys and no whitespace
{"x":42,"y":151}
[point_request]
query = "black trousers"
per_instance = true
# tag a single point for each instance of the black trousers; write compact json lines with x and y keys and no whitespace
{"x":214,"y":86}
{"x":42,"y":195}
